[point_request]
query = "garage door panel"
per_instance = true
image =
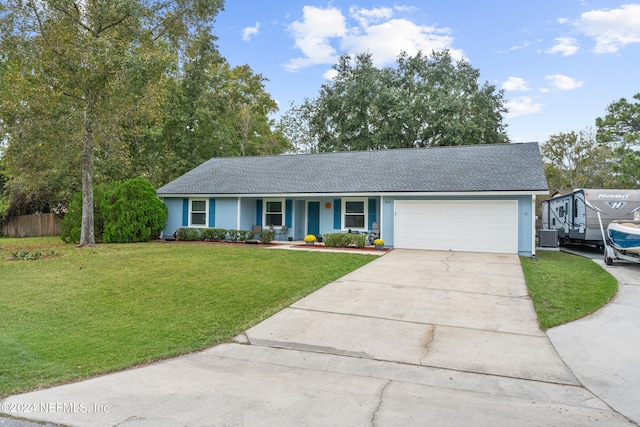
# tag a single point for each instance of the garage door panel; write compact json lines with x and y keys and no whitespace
{"x":475,"y":226}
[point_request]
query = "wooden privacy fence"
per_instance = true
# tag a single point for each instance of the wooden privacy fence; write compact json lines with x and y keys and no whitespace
{"x":36,"y":225}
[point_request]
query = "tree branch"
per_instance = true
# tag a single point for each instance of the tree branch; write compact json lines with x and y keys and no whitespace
{"x":58,"y":53}
{"x":73,"y":18}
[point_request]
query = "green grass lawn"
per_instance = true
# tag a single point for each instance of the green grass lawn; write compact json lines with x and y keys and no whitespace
{"x":83,"y":312}
{"x":566,"y":287}
{"x":88,"y":311}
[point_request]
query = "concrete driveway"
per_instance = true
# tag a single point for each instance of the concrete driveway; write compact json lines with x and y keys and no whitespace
{"x":413,"y":338}
{"x":603,"y":349}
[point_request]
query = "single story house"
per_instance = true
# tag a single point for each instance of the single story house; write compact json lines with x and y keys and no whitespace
{"x":477,"y":198}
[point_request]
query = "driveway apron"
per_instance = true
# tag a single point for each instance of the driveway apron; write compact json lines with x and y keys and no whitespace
{"x":603,"y":349}
{"x":413,"y":338}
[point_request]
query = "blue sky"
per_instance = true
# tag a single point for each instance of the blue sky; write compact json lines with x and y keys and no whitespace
{"x":561,"y":62}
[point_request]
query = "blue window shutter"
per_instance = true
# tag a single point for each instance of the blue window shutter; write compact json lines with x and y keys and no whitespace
{"x":288,"y":212}
{"x":372,"y":212}
{"x":212,"y":212}
{"x":259,"y":212}
{"x":185,"y":212}
{"x":337,"y":215}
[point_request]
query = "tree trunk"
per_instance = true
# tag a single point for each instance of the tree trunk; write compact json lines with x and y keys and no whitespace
{"x":87,"y":233}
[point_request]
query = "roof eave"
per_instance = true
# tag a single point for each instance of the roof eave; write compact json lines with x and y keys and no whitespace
{"x":363,"y":194}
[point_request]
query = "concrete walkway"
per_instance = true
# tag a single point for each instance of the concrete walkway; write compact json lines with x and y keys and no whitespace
{"x":603,"y":349}
{"x":413,"y":338}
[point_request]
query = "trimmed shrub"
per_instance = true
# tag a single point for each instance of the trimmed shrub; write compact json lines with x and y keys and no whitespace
{"x":234,"y":235}
{"x":245,"y":235}
{"x":334,"y":240}
{"x":219,"y":234}
{"x":359,"y":240}
{"x":132,"y":213}
{"x":213,"y":234}
{"x":266,"y":236}
{"x":189,"y":234}
{"x":207,"y":234}
{"x":342,"y":240}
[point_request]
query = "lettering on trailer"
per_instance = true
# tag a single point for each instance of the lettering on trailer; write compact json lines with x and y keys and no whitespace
{"x":616,"y":205}
{"x":612,"y":196}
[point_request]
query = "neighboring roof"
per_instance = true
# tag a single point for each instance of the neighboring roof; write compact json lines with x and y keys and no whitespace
{"x":465,"y":168}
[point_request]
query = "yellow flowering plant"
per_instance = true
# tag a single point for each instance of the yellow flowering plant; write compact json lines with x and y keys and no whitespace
{"x":378,"y":242}
{"x":310,"y":238}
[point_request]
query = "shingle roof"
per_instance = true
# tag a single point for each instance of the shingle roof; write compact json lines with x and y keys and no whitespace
{"x":467,"y":168}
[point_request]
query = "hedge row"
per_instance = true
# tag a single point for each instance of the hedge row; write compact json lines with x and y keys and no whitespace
{"x":221,"y":234}
{"x":342,"y":240}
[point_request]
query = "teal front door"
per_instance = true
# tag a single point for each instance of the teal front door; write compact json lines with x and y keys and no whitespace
{"x":313,"y":218}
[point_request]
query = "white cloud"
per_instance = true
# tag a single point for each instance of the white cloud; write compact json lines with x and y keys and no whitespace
{"x":324,"y":34}
{"x":385,"y":41}
{"x":330,"y":74}
{"x":562,"y":82}
{"x":249,"y":32}
{"x":515,"y":84}
{"x":564,"y":45}
{"x":514,"y":48}
{"x":521,"y":106}
{"x":366,"y":16}
{"x":612,"y":29}
{"x":405,"y":8}
{"x":313,"y":35}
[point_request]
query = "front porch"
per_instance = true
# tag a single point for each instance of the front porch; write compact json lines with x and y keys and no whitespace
{"x":289,"y":217}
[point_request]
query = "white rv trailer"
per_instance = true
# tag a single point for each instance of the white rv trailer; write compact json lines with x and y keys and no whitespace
{"x":574,"y":215}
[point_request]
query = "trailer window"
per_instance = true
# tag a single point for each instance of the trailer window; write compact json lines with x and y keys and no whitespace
{"x":561,"y":212}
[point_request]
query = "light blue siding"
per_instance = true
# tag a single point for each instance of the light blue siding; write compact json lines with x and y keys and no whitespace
{"x":227,"y":213}
{"x":299,"y":220}
{"x":247,"y":213}
{"x":326,"y":215}
{"x":174,"y":220}
{"x":526,"y":214}
{"x":386,"y":226}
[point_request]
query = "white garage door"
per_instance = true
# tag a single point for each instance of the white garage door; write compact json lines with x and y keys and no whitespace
{"x":472,"y":226}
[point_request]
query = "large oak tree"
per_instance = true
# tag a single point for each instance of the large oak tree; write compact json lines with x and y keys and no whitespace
{"x":80,"y":59}
{"x":422,"y":101}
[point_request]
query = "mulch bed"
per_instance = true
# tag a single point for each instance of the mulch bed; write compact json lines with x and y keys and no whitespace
{"x":366,"y":248}
{"x":216,"y":242}
{"x":256,"y":243}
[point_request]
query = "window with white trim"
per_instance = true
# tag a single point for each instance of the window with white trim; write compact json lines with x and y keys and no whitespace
{"x":198,"y":212}
{"x":354,"y":215}
{"x":274,"y":213}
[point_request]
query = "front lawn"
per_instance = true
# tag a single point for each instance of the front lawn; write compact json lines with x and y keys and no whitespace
{"x":566,"y":287}
{"x":81,"y":312}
